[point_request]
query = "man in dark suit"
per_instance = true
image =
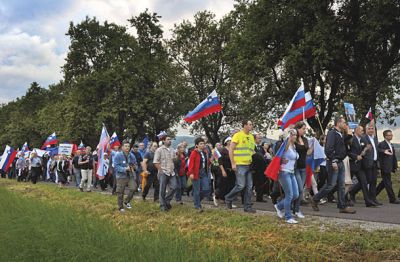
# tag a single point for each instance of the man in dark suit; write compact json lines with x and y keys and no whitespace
{"x":370,"y":161}
{"x":356,"y":152}
{"x":388,"y":163}
{"x":258,"y":166}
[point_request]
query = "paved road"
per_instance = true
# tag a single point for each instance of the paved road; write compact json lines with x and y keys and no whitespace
{"x":388,"y":213}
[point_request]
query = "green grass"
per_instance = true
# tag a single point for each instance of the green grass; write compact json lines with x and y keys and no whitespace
{"x":43,"y":222}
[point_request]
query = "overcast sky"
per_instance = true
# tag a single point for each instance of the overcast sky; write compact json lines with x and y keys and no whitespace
{"x":33,"y":44}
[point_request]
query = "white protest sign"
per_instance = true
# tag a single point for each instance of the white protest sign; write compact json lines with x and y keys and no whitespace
{"x":65,"y":149}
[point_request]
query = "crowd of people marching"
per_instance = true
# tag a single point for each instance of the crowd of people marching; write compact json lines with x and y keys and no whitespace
{"x":234,"y":169}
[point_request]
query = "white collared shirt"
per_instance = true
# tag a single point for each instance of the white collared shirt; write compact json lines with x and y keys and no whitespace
{"x":390,"y":145}
{"x":371,"y":138}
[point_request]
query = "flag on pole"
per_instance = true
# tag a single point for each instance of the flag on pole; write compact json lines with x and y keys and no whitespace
{"x":294,"y":112}
{"x":369,"y":115}
{"x":51,"y":140}
{"x":102,"y":148}
{"x":216,"y":154}
{"x":207,"y":107}
{"x":7,"y":158}
{"x":314,"y":160}
{"x":272,"y":171}
{"x":162,"y":135}
{"x":114,"y":141}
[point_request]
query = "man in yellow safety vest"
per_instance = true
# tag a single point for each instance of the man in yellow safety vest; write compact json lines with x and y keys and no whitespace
{"x":240,"y":153}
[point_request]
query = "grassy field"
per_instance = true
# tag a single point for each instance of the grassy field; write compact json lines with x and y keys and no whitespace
{"x":43,"y":222}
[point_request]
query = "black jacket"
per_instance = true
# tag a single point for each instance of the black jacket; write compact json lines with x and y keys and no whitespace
{"x":368,"y":160}
{"x":335,"y":149}
{"x":388,"y":163}
{"x":258,"y":163}
{"x":355,"y":149}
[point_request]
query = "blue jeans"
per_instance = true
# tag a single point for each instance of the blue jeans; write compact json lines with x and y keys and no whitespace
{"x":77,"y":173}
{"x":244,"y":180}
{"x":180,"y":187}
{"x":334,"y":177}
{"x":201,"y":188}
{"x":164,"y":181}
{"x":291,"y":189}
{"x":300,"y":175}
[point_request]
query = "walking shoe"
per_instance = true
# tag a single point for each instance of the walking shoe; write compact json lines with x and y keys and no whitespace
{"x":234,"y":206}
{"x":163,"y":209}
{"x":168,"y":206}
{"x":199,"y":210}
{"x":378,"y":203}
{"x":314,"y":204}
{"x":291,"y":221}
{"x":229,"y":204}
{"x":81,"y":189}
{"x":372,"y":204}
{"x":347,"y":210}
{"x":323,"y":201}
{"x":279,"y":212}
{"x":89,"y":190}
{"x":251,"y":210}
{"x":128,"y":205}
{"x":121,"y":210}
{"x":144,"y":198}
{"x":299,"y":215}
{"x":395,"y":202}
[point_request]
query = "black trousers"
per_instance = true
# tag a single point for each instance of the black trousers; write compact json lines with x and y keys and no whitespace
{"x":225,"y":184}
{"x":387,"y":184}
{"x":260,"y":184}
{"x":372,"y":175}
{"x":362,"y":184}
{"x":152,"y":181}
{"x":36,"y":172}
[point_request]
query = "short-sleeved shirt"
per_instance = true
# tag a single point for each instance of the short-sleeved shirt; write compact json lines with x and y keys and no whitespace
{"x":165,"y":157}
{"x":244,"y":148}
{"x":149,"y":155}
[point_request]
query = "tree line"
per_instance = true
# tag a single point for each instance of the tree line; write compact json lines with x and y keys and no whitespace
{"x":140,"y":84}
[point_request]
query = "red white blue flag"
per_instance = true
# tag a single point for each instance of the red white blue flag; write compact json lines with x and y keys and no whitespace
{"x":369,"y":115}
{"x":208,"y":106}
{"x":314,"y":160}
{"x":102,"y":148}
{"x":300,"y":107}
{"x":7,"y":158}
{"x":272,"y":171}
{"x":114,"y":141}
{"x":51,"y":140}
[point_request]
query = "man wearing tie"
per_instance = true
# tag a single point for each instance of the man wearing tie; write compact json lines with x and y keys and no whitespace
{"x":356,"y":153}
{"x":370,"y":160}
{"x":388,"y":162}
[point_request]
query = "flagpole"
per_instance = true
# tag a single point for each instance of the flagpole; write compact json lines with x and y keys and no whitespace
{"x":320,"y":125}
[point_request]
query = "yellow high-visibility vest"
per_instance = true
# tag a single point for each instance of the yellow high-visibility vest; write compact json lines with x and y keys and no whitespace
{"x":244,"y":148}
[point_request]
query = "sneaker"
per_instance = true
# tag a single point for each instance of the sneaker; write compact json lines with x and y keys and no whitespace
{"x":215,"y":201}
{"x":323,"y":201}
{"x":314,"y":204}
{"x":278,"y":211}
{"x":121,"y":210}
{"x":199,"y":210}
{"x":229,"y":205}
{"x":81,"y":189}
{"x":234,"y":206}
{"x":168,"y":206}
{"x":128,"y":205}
{"x":347,"y":210}
{"x":299,"y":215}
{"x":291,"y":221}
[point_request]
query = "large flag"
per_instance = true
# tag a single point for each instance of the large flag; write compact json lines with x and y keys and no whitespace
{"x":291,"y":117}
{"x":314,"y":160}
{"x":272,"y":171}
{"x":294,"y":109}
{"x":51,"y":140}
{"x":7,"y":158}
{"x":114,"y":141}
{"x":369,"y":115}
{"x":102,"y":148}
{"x":208,"y":106}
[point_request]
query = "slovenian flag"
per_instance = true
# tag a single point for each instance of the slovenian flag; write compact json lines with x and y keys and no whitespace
{"x":300,"y":107}
{"x":7,"y":158}
{"x":102,"y":148}
{"x":369,"y":115}
{"x":51,"y":140}
{"x":114,"y":141}
{"x":314,"y":160}
{"x":208,"y":106}
{"x":272,"y":171}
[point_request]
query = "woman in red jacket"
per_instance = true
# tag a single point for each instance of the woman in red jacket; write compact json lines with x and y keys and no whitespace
{"x":197,"y":171}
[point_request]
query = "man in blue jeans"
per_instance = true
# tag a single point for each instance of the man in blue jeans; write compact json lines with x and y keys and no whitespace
{"x":335,"y":151}
{"x":241,"y":151}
